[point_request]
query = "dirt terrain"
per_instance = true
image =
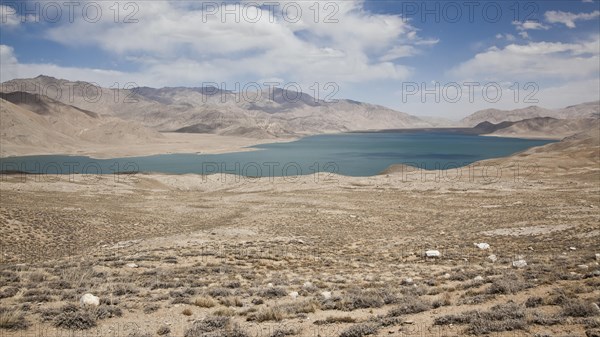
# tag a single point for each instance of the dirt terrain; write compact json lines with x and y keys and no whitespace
{"x":318,"y":255}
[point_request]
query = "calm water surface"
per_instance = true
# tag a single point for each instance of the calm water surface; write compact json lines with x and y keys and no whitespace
{"x":351,"y":154}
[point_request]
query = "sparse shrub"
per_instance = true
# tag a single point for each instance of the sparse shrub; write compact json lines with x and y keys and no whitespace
{"x":224,"y":312}
{"x":282,"y":332}
{"x":272,"y":292}
{"x":509,"y":284}
{"x":187,"y":312}
{"x":12,"y":319}
{"x":502,"y":317}
{"x":163,"y":330}
{"x":359,"y":330}
{"x":107,"y":311}
{"x":75,"y":320}
{"x":219,"y":292}
{"x":150,"y":308}
{"x":269,"y":314}
{"x":335,"y":319}
{"x":410,"y":305}
{"x":9,"y":292}
{"x":231,"y":302}
{"x":543,"y":319}
{"x":204,"y":302}
{"x":209,"y":324}
{"x":534,"y":301}
{"x":579,"y":308}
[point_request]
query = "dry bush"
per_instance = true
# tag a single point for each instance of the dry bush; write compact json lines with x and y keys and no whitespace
{"x":545,"y":319}
{"x":12,"y":319}
{"x":224,"y":312}
{"x":268,"y":314}
{"x":231,"y":301}
{"x":272,"y":292}
{"x":204,"y":302}
{"x":163,"y":330}
{"x":187,"y":312}
{"x":508,"y":284}
{"x":501,"y":317}
{"x":209,"y":324}
{"x":335,"y":319}
{"x":579,"y":308}
{"x":534,"y":301}
{"x":410,"y":305}
{"x":359,"y":330}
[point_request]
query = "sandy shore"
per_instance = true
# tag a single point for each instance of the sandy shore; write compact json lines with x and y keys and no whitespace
{"x":168,"y":144}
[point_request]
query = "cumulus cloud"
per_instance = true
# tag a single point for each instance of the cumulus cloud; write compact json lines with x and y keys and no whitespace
{"x":187,"y":42}
{"x":534,"y":60}
{"x":568,"y":18}
{"x":529,"y":25}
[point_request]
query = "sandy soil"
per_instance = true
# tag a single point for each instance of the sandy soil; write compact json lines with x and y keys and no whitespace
{"x":170,"y":143}
{"x":318,"y":255}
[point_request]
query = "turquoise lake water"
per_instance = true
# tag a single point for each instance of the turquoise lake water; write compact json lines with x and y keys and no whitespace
{"x":351,"y":154}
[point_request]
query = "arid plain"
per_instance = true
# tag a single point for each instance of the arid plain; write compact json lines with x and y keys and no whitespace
{"x":318,"y":255}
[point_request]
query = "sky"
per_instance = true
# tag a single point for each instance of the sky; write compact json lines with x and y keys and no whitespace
{"x":429,"y":58}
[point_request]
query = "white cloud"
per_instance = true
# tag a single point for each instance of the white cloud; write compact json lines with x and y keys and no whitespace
{"x":568,"y":19}
{"x":534,"y":61}
{"x":178,"y":42}
{"x":508,"y":37}
{"x":529,"y":25}
{"x":524,"y":35}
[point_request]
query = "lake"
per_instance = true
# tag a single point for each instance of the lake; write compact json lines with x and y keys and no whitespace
{"x":351,"y":154}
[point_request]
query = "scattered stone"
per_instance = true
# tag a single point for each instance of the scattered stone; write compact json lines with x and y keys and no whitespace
{"x":492,"y":258}
{"x":530,"y":248}
{"x":519,"y":264}
{"x":482,"y":245}
{"x":270,"y":285}
{"x":597,"y":257}
{"x":408,"y":281}
{"x":572,"y":248}
{"x":89,"y":299}
{"x":478,"y":278}
{"x":432,"y":253}
{"x":131,"y":265}
{"x":294,"y":295}
{"x":582,"y":266}
{"x":307,"y":284}
{"x":326,"y":294}
{"x":447,"y":276}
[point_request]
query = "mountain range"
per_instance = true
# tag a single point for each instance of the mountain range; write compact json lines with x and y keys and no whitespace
{"x":45,"y":112}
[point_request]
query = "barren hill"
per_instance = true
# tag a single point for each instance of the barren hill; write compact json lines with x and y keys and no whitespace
{"x":264,"y":114}
{"x":580,"y":111}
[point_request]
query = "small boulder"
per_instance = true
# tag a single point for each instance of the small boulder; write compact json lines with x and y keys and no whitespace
{"x":408,"y":281}
{"x":307,"y":284}
{"x":294,"y":295}
{"x":131,"y":265}
{"x":478,"y":278}
{"x":326,"y":294}
{"x":432,"y":253}
{"x":572,"y":248}
{"x":482,"y":245}
{"x":89,"y":299}
{"x":597,"y":257}
{"x":492,"y":258}
{"x":582,"y":266}
{"x":519,"y":264}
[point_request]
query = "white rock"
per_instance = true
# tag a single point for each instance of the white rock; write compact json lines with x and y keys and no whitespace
{"x":597,"y":257}
{"x":307,"y":284}
{"x":326,"y":294}
{"x":447,"y":275}
{"x":572,"y":248}
{"x":482,"y":245}
{"x":492,"y":258}
{"x":294,"y":295}
{"x":582,"y":266}
{"x":408,"y":280}
{"x":131,"y":265}
{"x":519,"y":264}
{"x":89,"y":299}
{"x":270,"y":285}
{"x":478,"y":278}
{"x":432,"y":253}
